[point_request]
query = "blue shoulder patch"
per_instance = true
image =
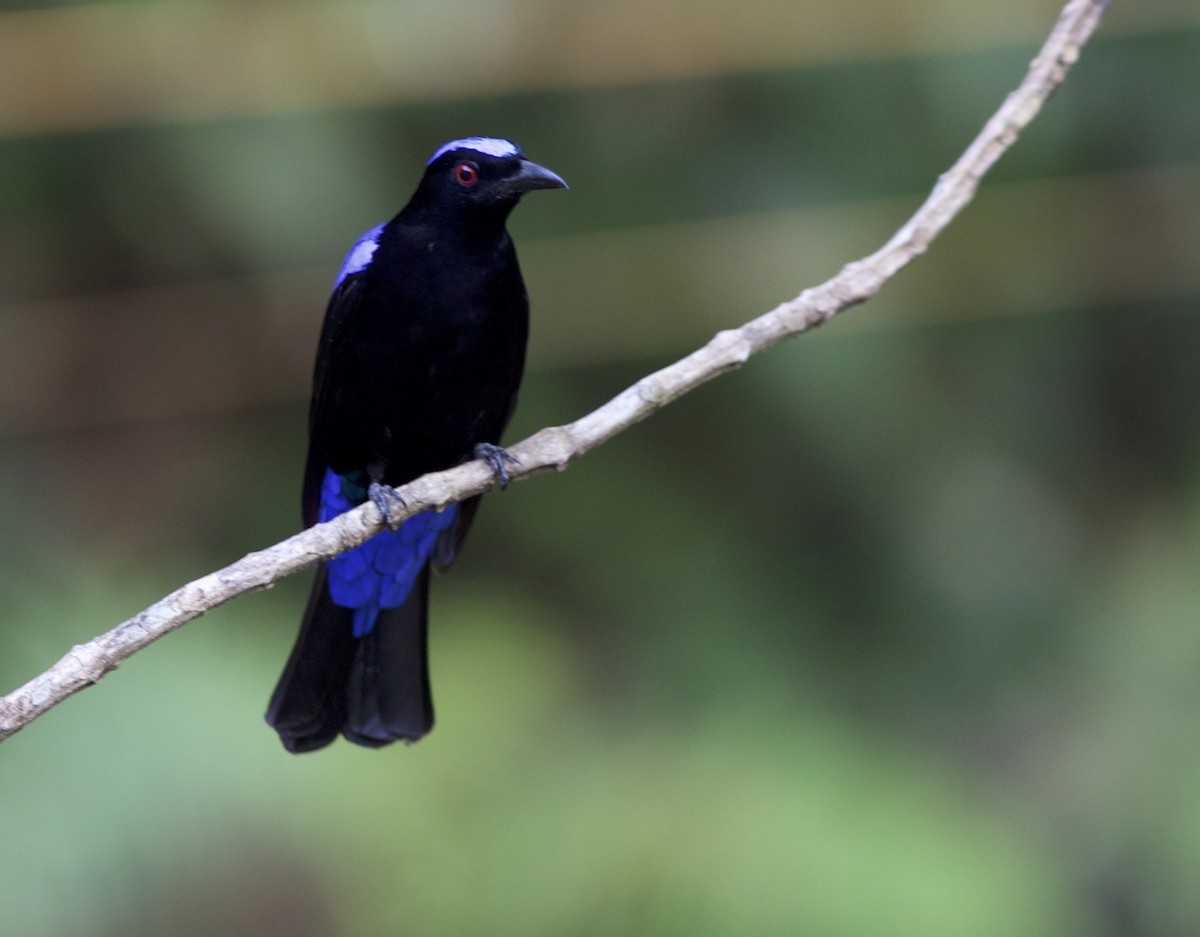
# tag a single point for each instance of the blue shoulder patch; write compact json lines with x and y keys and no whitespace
{"x":488,"y":146}
{"x":380,"y":573}
{"x":360,"y":254}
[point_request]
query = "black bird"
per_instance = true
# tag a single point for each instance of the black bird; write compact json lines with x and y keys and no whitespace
{"x":417,"y":370}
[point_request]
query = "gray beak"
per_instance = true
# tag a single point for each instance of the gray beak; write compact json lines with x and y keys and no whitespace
{"x":532,"y":176}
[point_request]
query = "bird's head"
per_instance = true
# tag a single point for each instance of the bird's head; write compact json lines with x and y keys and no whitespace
{"x":484,"y":172}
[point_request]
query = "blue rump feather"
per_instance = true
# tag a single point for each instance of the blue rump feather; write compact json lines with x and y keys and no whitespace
{"x":381,"y":572}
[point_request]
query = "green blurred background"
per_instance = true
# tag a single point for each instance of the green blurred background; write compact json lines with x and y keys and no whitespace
{"x":892,"y":632}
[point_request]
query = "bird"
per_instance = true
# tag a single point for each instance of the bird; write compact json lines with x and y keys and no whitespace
{"x":417,"y":369}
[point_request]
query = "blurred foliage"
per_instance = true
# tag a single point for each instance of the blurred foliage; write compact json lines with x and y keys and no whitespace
{"x":893,"y":632}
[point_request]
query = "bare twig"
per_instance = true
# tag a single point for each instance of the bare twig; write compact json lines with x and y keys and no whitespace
{"x":556,"y":447}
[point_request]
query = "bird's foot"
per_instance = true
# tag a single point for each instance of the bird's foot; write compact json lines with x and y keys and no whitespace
{"x":381,"y":496}
{"x":497,"y":457}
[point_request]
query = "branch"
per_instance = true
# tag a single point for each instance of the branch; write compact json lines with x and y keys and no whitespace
{"x":555,"y":447}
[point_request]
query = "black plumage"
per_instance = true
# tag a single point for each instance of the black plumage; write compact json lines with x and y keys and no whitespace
{"x":419,"y":363}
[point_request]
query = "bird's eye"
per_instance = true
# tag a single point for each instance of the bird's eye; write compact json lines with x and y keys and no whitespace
{"x":466,"y":174}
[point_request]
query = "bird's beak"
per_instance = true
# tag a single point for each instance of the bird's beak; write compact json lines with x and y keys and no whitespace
{"x":532,"y":176}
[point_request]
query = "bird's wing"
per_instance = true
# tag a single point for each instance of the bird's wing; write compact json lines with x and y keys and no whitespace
{"x":342,"y":305}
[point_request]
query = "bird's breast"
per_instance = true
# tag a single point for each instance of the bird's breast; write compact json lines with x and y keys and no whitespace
{"x":429,"y":366}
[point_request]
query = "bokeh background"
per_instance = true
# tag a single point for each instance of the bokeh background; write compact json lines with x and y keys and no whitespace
{"x":895,"y":631}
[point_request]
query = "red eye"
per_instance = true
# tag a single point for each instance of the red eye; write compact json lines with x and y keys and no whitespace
{"x":466,"y":174}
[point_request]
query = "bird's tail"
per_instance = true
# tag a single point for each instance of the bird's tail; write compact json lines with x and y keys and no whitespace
{"x":388,"y":696}
{"x":308,"y":706}
{"x":373,"y":689}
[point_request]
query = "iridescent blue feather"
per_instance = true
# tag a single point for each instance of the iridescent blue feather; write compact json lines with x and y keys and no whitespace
{"x":360,"y":254}
{"x":380,"y":573}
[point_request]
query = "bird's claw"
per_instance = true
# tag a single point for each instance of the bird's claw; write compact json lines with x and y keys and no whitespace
{"x":381,"y":496}
{"x":496,"y":457}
